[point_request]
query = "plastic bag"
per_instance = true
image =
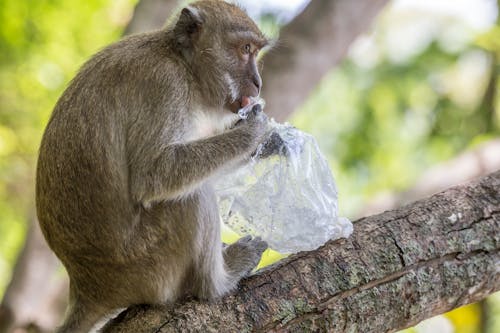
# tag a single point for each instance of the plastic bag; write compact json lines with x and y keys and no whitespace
{"x":286,"y":194}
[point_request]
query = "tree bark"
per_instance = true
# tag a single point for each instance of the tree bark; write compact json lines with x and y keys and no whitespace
{"x":397,"y":268}
{"x":310,"y":45}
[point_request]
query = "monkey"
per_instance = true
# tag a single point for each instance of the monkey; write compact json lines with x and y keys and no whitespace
{"x":126,"y":164}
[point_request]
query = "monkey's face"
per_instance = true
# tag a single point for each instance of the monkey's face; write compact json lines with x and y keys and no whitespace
{"x":242,"y":78}
{"x":222,"y":43}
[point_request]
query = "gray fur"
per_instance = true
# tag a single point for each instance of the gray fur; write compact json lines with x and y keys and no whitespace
{"x":123,"y":177}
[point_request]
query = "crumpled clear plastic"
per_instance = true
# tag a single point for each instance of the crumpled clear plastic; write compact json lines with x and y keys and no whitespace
{"x":286,"y":194}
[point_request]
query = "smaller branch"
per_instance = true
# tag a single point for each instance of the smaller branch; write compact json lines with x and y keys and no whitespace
{"x":477,"y":162}
{"x":35,"y":285}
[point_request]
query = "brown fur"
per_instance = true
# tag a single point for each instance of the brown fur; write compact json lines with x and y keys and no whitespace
{"x":123,"y":178}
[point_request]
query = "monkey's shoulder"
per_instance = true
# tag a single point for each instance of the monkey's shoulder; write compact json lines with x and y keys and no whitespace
{"x":138,"y":69}
{"x":142,"y":55}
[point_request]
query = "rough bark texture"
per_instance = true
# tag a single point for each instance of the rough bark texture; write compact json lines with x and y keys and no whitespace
{"x":310,"y":45}
{"x":397,"y":269}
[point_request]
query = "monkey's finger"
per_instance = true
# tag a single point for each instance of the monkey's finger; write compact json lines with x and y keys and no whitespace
{"x":246,"y":239}
{"x":257,"y":108}
{"x":261,"y":245}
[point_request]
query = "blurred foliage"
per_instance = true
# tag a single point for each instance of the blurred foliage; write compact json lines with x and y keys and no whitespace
{"x":466,"y":319}
{"x":383,"y":119}
{"x":386,"y":115}
{"x":380,"y":119}
{"x":492,"y":323}
{"x":42,"y":44}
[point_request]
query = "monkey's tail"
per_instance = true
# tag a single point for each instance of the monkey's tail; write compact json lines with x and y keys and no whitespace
{"x":80,"y":318}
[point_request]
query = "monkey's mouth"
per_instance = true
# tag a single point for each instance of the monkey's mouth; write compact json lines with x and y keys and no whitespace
{"x":245,"y":100}
{"x":238,"y":104}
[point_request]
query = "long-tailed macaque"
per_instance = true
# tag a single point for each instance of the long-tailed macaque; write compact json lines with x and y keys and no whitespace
{"x":124,"y":193}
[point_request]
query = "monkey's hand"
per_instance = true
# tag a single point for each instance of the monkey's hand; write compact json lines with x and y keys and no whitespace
{"x":254,"y":127}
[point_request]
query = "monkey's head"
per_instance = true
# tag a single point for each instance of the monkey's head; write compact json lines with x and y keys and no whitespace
{"x":220,"y":44}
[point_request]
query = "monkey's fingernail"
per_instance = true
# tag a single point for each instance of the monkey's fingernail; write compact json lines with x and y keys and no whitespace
{"x":245,"y":100}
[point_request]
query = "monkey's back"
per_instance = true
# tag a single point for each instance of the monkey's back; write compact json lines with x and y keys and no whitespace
{"x":80,"y":187}
{"x":82,"y":192}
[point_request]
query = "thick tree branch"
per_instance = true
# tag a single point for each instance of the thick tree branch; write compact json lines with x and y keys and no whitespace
{"x":310,"y":45}
{"x":150,"y":15}
{"x":476,"y":162}
{"x":397,"y":269}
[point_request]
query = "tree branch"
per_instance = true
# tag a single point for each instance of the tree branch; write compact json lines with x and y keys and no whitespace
{"x":476,"y":162}
{"x":150,"y":15}
{"x":397,"y":269}
{"x":310,"y":45}
{"x":35,"y":285}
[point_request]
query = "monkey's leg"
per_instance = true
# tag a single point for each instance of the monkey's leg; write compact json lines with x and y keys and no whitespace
{"x":217,"y":272}
{"x":210,"y":279}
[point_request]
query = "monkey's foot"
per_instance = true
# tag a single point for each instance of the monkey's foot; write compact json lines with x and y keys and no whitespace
{"x":241,"y":257}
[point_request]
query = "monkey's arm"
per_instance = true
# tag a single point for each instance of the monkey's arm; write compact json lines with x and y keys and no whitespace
{"x":180,"y":168}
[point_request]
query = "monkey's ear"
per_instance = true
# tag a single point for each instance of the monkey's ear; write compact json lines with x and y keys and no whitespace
{"x":188,"y":27}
